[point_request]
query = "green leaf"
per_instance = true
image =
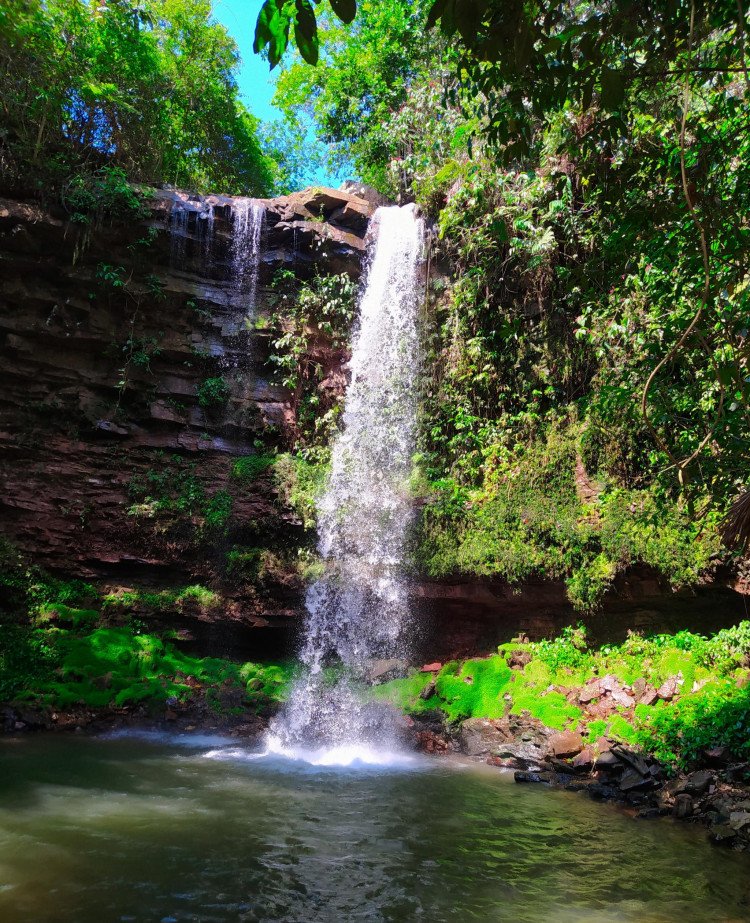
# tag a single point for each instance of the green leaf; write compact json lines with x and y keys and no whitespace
{"x":346,"y":10}
{"x":306,"y":32}
{"x":436,"y":11}
{"x":612,"y":88}
{"x":272,"y":31}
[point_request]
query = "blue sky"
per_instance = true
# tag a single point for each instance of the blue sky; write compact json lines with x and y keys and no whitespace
{"x":254,"y":77}
{"x":238,"y":17}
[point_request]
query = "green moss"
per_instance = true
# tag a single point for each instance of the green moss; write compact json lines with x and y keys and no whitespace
{"x":596,"y":729}
{"x":621,"y":729}
{"x":213,"y":393}
{"x":66,"y":614}
{"x":163,"y":600}
{"x":404,"y":693}
{"x":551,"y":708}
{"x":300,"y":481}
{"x":474,"y":689}
{"x":117,"y":667}
{"x":676,"y":732}
{"x":267,"y":681}
{"x":250,"y":467}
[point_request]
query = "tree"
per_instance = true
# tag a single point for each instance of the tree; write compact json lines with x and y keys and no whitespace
{"x":149,"y":89}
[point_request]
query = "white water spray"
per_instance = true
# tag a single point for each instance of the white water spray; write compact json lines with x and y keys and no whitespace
{"x":358,"y":610}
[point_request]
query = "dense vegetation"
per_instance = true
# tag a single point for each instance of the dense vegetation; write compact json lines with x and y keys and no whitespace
{"x":585,"y":403}
{"x":146,"y":90}
{"x":64,"y":645}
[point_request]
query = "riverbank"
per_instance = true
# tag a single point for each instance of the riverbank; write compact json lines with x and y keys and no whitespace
{"x":660,"y":724}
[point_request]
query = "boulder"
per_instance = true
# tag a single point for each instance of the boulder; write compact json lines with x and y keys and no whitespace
{"x":739,"y":820}
{"x":683,"y":806}
{"x":697,"y":783}
{"x":632,"y":780}
{"x":607,"y":761}
{"x":668,"y":689}
{"x":480,"y":736}
{"x":717,"y":756}
{"x":621,"y":697}
{"x":649,"y":697}
{"x":523,"y":776}
{"x":634,"y":760}
{"x":723,"y":834}
{"x":526,"y":753}
{"x":584,"y":760}
{"x":566,"y":743}
{"x":380,"y":670}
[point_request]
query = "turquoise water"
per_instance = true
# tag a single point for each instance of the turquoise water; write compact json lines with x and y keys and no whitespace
{"x":172,"y":830}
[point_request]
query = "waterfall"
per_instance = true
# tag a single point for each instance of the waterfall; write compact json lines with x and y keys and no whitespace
{"x":358,"y":610}
{"x":191,"y":222}
{"x":247,"y":220}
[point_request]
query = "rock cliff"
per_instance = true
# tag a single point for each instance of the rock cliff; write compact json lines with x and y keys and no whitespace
{"x":130,"y":364}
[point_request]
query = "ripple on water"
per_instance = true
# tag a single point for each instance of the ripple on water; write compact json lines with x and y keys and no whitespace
{"x":93,"y":831}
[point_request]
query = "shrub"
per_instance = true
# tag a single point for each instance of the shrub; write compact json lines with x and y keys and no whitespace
{"x":213,"y":393}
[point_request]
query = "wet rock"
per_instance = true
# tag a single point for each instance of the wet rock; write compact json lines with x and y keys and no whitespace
{"x":607,"y":761}
{"x":480,"y":736}
{"x":584,"y":761}
{"x":533,"y":777}
{"x":723,"y":834}
{"x":382,"y":670}
{"x":566,"y":743}
{"x":524,"y":752}
{"x":428,"y":691}
{"x":431,"y":667}
{"x":740,"y":820}
{"x":648,"y":813}
{"x":683,"y":806}
{"x":632,"y":780}
{"x":560,"y":766}
{"x":429,"y":742}
{"x":633,"y":759}
{"x":697,"y":782}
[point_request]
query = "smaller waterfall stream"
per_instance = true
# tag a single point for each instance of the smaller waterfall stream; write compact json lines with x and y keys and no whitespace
{"x":358,"y":610}
{"x":247,"y":220}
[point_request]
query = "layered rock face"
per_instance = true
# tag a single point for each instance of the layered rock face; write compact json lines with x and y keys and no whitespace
{"x":135,"y":373}
{"x":131,"y":365}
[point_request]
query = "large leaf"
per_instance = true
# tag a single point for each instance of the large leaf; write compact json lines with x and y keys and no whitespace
{"x":436,"y":11}
{"x":306,"y":32}
{"x":272,"y":31}
{"x":612,"y":88}
{"x":346,"y":10}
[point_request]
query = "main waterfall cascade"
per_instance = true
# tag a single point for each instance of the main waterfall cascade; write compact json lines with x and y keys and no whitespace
{"x":358,"y":610}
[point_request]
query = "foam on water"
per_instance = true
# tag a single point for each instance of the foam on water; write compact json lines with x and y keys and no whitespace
{"x":169,"y":738}
{"x":344,"y":756}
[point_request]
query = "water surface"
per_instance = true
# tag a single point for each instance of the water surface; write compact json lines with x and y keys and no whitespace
{"x":198,"y":829}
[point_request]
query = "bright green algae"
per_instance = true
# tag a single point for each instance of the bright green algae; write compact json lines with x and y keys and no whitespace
{"x":711,"y":707}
